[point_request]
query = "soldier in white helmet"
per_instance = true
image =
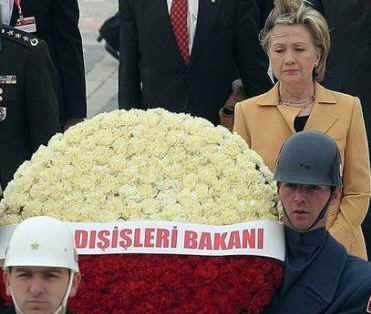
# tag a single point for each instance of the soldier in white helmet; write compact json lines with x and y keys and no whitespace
{"x":41,"y":271}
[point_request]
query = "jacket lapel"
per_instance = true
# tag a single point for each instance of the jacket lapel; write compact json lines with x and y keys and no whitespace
{"x":323,"y":115}
{"x":163,"y":36}
{"x":321,"y":283}
{"x":315,"y":290}
{"x":14,"y":17}
{"x":207,"y":13}
{"x":289,"y":114}
{"x":326,"y":279}
{"x":271,"y":98}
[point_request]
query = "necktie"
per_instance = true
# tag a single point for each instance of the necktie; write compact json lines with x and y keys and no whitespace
{"x":178,"y":17}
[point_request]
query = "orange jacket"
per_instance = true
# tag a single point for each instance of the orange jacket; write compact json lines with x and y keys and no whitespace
{"x":265,"y":126}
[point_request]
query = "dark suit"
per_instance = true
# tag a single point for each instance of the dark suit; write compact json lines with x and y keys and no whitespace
{"x":29,"y":98}
{"x":349,"y":64}
{"x":225,"y":43}
{"x":57,"y":24}
{"x":265,"y":7}
{"x":321,"y":279}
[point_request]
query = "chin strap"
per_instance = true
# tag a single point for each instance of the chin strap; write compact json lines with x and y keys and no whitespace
{"x":17,"y":309}
{"x":321,"y":214}
{"x":61,"y":309}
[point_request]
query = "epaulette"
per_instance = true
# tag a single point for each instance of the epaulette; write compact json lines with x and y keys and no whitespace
{"x":21,"y":37}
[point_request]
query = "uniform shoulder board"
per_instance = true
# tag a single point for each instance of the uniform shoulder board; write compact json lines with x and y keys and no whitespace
{"x":21,"y":37}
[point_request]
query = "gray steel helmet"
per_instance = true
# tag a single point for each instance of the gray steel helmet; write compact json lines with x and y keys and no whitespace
{"x":309,"y":157}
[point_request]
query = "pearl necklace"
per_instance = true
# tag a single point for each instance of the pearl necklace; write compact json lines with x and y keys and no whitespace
{"x":302,"y":104}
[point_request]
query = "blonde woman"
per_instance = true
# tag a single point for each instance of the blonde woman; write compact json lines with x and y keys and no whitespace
{"x":296,"y":39}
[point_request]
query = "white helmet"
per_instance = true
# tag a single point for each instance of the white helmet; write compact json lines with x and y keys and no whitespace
{"x":42,"y":241}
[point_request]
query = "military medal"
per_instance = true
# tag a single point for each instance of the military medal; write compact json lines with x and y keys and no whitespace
{"x":8,"y":79}
{"x":2,"y":113}
{"x":2,"y":109}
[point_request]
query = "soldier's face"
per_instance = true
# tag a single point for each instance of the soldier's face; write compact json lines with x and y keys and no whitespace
{"x":303,"y":204}
{"x":38,"y":290}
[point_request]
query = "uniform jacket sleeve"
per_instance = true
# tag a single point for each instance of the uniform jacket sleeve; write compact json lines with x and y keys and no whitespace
{"x":354,"y":293}
{"x":67,"y":47}
{"x":41,"y":105}
{"x":359,"y":303}
{"x":129,"y":77}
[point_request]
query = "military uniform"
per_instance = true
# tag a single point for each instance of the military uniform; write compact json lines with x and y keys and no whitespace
{"x":57,"y":23}
{"x":29,"y":114}
{"x":321,"y":278}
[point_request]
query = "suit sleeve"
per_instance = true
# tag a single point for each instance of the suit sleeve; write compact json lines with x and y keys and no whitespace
{"x":252,"y":61}
{"x":42,"y":111}
{"x":129,"y":77}
{"x":356,"y":180}
{"x":68,"y":51}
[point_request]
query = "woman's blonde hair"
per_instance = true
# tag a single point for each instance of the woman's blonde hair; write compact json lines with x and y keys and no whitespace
{"x":299,"y":12}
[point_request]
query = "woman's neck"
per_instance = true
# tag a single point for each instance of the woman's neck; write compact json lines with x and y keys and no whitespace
{"x":296,"y":93}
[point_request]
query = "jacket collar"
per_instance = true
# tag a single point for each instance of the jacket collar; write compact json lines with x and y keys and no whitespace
{"x":208,"y":12}
{"x":326,"y":278}
{"x":322,"y":96}
{"x":323,"y":114}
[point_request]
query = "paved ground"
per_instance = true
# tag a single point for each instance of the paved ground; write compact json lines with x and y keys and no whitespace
{"x":101,"y":69}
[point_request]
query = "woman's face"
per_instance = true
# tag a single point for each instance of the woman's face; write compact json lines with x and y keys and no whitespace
{"x":292,"y":54}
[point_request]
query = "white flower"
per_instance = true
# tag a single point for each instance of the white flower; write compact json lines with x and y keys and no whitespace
{"x":130,"y":165}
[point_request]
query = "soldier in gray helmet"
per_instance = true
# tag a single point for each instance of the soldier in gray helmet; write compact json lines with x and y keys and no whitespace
{"x":320,"y":277}
{"x":309,"y":161}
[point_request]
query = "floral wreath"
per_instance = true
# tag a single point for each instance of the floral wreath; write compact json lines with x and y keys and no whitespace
{"x":153,"y":165}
